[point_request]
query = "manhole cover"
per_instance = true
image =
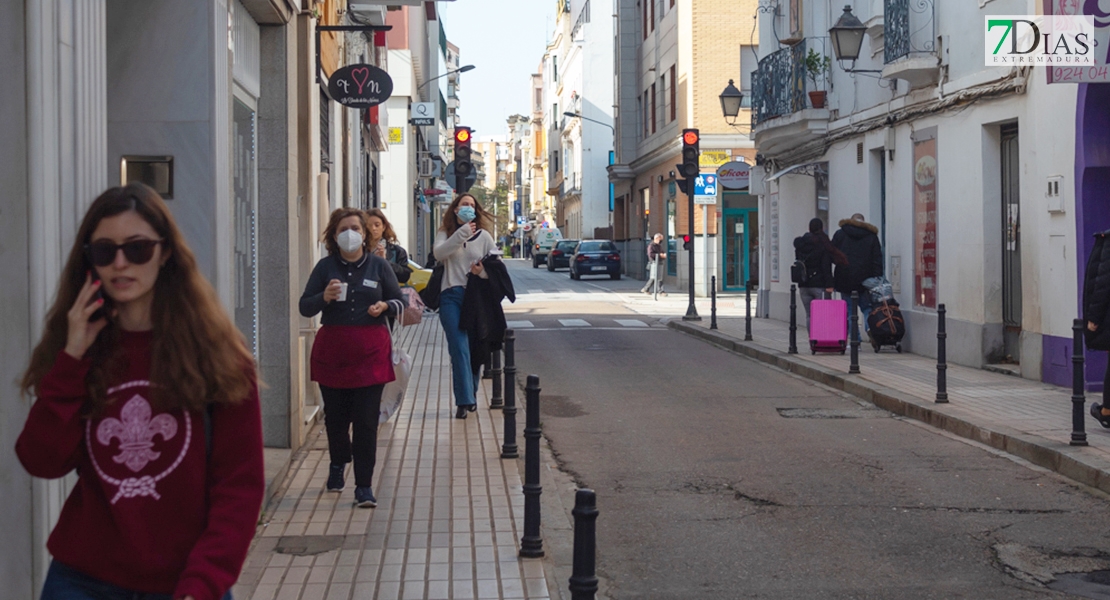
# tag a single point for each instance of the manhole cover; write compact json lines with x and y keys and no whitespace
{"x":832,"y":413}
{"x":1088,"y":585}
{"x":307,"y":545}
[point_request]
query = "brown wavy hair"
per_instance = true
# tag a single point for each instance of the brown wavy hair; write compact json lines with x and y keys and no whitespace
{"x":197,"y":355}
{"x":337,"y":215}
{"x":450,"y":222}
{"x":387,"y":232}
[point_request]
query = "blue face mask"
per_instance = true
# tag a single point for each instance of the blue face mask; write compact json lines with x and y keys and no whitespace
{"x":467,"y":214}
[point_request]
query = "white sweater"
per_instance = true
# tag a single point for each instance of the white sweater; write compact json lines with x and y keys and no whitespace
{"x":458,"y":253}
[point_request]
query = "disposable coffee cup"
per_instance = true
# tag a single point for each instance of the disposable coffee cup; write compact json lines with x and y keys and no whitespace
{"x":342,"y":292}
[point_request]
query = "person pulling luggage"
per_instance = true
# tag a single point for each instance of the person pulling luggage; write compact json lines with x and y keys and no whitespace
{"x":859,"y":241}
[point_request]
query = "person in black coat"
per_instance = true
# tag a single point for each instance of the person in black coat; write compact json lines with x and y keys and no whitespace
{"x":482,"y":318}
{"x":859,"y":241}
{"x":818,"y":253}
{"x":1096,"y":311}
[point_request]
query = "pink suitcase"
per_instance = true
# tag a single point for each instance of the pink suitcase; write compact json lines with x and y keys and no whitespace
{"x":828,"y":326}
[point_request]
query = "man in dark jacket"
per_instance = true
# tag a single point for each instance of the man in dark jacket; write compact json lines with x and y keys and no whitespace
{"x":859,"y":241}
{"x":812,"y":248}
{"x":656,"y":256}
{"x":1096,"y":311}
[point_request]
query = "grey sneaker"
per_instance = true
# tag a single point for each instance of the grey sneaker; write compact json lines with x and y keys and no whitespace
{"x":364,"y":497}
{"x":335,"y":478}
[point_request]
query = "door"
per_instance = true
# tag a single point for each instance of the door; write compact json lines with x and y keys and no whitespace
{"x":740,"y":251}
{"x":1011,"y":244}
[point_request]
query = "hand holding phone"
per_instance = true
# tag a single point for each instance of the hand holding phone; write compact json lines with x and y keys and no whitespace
{"x":82,"y":327}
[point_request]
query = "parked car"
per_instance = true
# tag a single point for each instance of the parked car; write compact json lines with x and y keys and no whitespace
{"x":595,"y":257}
{"x":545,"y":239}
{"x":560,"y":254}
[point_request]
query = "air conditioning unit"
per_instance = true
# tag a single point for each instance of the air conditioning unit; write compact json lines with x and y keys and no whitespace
{"x":426,"y":167}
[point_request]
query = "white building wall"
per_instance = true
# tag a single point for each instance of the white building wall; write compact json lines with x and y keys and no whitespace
{"x":398,"y":162}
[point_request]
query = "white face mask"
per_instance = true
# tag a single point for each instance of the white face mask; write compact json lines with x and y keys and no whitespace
{"x":349,"y":240}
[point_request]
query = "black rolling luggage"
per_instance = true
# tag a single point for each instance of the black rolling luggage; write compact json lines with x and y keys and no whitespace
{"x":886,"y":325}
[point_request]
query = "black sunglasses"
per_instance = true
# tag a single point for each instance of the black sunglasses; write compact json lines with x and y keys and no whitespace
{"x":137,"y":252}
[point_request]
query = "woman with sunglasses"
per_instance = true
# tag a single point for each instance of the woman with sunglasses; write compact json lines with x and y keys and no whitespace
{"x":351,"y":357}
{"x":148,"y":391}
{"x":462,"y":241}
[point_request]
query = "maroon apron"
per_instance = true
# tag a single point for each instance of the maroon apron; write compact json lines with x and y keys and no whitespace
{"x":352,"y":356}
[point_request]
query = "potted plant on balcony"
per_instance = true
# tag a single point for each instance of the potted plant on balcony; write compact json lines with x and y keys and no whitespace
{"x":817,"y":68}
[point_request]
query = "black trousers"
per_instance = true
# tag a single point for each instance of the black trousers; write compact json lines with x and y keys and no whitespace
{"x":358,"y":409}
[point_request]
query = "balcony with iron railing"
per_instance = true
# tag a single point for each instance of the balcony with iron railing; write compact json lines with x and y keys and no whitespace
{"x":909,"y":42}
{"x":782,"y":117}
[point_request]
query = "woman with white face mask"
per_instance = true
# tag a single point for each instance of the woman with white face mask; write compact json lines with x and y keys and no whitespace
{"x":351,"y":354}
{"x":462,"y":241}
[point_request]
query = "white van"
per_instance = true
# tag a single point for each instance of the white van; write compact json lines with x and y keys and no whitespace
{"x":543,"y":240}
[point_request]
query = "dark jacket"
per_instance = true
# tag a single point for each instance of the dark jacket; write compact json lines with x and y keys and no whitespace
{"x":810,"y":249}
{"x":859,"y":241}
{"x":481,"y":316}
{"x":1096,"y":293}
{"x":656,"y":250}
{"x":399,"y":260}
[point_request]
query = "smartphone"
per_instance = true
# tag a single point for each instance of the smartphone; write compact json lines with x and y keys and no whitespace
{"x":102,"y":312}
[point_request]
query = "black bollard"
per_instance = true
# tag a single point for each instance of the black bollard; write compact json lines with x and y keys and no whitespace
{"x":496,"y":401}
{"x":713,"y":305}
{"x":508,"y":449}
{"x":853,"y":366}
{"x":531,"y":544}
{"x":583,"y":579}
{"x":1078,"y":431}
{"x":793,"y":348}
{"x":748,"y":312}
{"x":942,"y":357}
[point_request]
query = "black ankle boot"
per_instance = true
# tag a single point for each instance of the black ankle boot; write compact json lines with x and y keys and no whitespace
{"x":460,"y":412}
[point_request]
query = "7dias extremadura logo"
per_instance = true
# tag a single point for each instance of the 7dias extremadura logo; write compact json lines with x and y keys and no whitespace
{"x":1039,"y":40}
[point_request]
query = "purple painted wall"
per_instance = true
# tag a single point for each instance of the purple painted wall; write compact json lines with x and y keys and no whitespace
{"x":1092,"y":213}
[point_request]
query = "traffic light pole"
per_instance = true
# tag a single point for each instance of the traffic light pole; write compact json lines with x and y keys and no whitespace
{"x":691,"y":310}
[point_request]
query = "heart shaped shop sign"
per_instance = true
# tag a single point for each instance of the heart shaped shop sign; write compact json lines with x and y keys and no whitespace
{"x":360,"y":86}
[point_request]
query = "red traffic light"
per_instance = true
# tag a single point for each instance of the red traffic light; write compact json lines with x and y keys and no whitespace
{"x":462,"y":135}
{"x":685,"y":239}
{"x":690,"y":137}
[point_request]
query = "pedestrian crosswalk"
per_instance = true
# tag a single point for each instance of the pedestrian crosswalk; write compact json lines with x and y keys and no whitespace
{"x":592,"y":324}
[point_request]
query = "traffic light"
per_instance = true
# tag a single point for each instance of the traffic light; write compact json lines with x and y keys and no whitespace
{"x":686,"y":243}
{"x":463,"y":164}
{"x":690,"y":152}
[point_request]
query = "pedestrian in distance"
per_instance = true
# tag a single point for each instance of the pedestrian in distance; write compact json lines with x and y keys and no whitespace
{"x":859,"y":241}
{"x":1096,"y":312}
{"x":817,"y":252}
{"x":382,"y":241}
{"x":351,"y":356}
{"x":656,"y":256}
{"x":461,"y":243}
{"x":146,"y":389}
{"x":527,"y":246}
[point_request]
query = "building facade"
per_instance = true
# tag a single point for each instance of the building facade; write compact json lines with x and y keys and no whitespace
{"x":978,"y":179}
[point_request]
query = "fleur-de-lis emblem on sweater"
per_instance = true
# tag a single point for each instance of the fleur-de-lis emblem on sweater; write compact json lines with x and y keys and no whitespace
{"x":135,"y":430}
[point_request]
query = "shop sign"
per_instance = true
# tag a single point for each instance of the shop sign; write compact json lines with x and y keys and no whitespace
{"x":714,"y":158}
{"x":396,"y":135}
{"x":1099,"y":11}
{"x":360,"y":86}
{"x":734,"y":175}
{"x":925,"y":218}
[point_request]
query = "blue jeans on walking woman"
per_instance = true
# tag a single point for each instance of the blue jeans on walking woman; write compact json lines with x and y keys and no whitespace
{"x":458,"y":344}
{"x":64,"y":583}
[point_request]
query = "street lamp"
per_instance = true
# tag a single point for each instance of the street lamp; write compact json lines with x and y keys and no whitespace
{"x":579,"y":115}
{"x":462,"y":69}
{"x":847,"y":39}
{"x":731,"y":99}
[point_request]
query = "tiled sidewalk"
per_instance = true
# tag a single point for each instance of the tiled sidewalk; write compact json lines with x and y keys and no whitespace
{"x":1023,"y":417}
{"x":449,"y":516}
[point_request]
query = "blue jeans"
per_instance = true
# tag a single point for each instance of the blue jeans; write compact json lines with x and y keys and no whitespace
{"x":458,"y":345}
{"x":64,"y":583}
{"x":864,"y":307}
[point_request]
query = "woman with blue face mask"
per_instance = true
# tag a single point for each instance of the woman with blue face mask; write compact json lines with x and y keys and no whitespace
{"x":462,"y":241}
{"x":351,"y":353}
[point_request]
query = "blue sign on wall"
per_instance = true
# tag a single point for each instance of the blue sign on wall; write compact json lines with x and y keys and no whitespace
{"x":705,"y":185}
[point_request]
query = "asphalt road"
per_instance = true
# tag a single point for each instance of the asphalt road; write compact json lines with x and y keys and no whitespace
{"x":720,"y":477}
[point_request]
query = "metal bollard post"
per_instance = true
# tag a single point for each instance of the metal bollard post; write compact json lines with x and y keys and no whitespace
{"x":713,"y":305}
{"x":1078,"y":432}
{"x":508,"y":449}
{"x":748,"y":311}
{"x":531,"y":544}
{"x":853,"y":335}
{"x":793,"y":348}
{"x":942,"y":356}
{"x":583,"y":579}
{"x":496,"y":401}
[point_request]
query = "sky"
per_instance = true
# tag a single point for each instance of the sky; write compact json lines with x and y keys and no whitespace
{"x":505,"y":41}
